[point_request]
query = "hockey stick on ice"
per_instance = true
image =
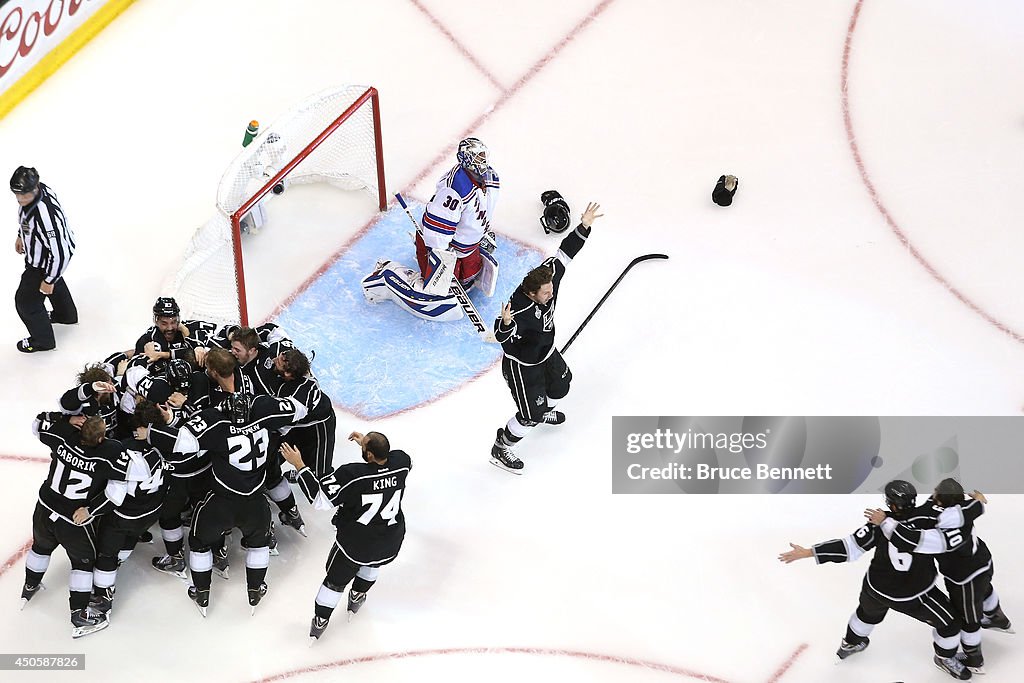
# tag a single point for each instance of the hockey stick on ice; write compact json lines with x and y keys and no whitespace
{"x":638,"y":259}
{"x":456,"y":289}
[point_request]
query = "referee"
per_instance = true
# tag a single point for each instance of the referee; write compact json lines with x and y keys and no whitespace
{"x":48,"y":244}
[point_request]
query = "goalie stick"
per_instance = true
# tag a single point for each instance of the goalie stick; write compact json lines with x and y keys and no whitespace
{"x":457,"y":291}
{"x":638,"y":259}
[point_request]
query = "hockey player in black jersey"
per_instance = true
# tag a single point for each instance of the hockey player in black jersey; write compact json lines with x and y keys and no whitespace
{"x":944,"y":526}
{"x":138,"y":499}
{"x":532,"y":367}
{"x":170,"y":337}
{"x":369,"y":519}
{"x":83,"y":461}
{"x":235,"y":435}
{"x":894,"y":580}
{"x":96,"y":394}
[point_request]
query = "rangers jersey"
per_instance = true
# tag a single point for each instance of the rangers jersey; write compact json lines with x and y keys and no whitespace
{"x":460,"y":211}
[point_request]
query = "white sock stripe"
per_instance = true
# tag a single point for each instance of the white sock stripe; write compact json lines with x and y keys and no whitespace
{"x":103,"y":579}
{"x":200,"y":562}
{"x":859,"y":627}
{"x":516,"y":428}
{"x":946,"y":643}
{"x":970,"y":638}
{"x":991,"y":602}
{"x":80,"y":581}
{"x":36,"y":562}
{"x":172,"y":534}
{"x":327,"y":598}
{"x":281,"y":491}
{"x":552,"y":402}
{"x":257,"y":558}
{"x":368,"y":573}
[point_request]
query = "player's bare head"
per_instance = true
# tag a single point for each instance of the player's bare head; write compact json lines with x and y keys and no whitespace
{"x":146,"y":413}
{"x":93,"y":430}
{"x":220,"y":363}
{"x":537,"y":284}
{"x":245,"y":344}
{"x":901,"y":497}
{"x":948,"y":493}
{"x":292,"y":364}
{"x":376,"y":447}
{"x":94,"y":372}
{"x":472,"y":156}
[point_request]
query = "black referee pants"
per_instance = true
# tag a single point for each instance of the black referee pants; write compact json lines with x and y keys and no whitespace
{"x":28,"y":301}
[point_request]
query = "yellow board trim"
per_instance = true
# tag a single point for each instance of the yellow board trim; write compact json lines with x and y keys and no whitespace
{"x":55,"y":58}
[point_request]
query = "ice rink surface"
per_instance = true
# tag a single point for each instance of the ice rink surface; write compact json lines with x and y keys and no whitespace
{"x":869,"y":266}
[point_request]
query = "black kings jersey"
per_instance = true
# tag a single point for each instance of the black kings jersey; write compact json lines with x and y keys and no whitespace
{"x":145,"y":482}
{"x":530,"y":337}
{"x":893,"y":574}
{"x":78,"y":474}
{"x":238,"y":453}
{"x":369,"y":520}
{"x":949,"y":534}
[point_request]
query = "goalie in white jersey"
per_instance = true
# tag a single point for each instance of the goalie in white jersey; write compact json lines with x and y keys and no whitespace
{"x":455,"y":240}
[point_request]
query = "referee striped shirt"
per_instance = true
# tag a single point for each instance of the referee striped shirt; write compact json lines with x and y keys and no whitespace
{"x":48,"y":241}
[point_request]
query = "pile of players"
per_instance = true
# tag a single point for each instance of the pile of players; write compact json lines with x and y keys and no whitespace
{"x":192,"y":426}
{"x":912,"y":545}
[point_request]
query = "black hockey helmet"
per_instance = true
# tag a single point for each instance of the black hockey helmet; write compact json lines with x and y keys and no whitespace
{"x":556,"y":216}
{"x":166,"y":307}
{"x":24,"y":180}
{"x":949,"y":492}
{"x":236,"y":406}
{"x":153,"y":389}
{"x":900,"y":495}
{"x":179,"y":375}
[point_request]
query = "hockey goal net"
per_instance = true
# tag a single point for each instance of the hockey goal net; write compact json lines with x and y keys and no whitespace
{"x":331,"y":137}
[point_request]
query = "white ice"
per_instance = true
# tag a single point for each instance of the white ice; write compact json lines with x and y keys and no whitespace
{"x":797,"y":300}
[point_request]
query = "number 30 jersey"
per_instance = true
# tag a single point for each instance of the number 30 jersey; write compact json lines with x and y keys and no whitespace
{"x":238,"y":453}
{"x":370,"y":520}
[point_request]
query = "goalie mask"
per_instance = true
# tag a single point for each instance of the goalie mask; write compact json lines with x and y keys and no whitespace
{"x":556,"y":217}
{"x":472,"y":156}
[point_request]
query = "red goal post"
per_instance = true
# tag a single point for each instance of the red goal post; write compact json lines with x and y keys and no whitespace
{"x":337,"y":132}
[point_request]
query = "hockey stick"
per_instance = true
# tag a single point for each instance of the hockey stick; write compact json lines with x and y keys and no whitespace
{"x":638,"y":259}
{"x":456,"y":290}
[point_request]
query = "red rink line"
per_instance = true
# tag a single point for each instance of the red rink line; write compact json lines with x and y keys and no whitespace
{"x":865,"y":178}
{"x":541,"y":651}
{"x":15,"y":558}
{"x":780,"y":672}
{"x":458,"y":46}
{"x":23,"y":458}
{"x":515,"y":88}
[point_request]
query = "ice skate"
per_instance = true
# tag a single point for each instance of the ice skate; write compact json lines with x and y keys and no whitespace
{"x":953,"y":666}
{"x":28,"y":592}
{"x":85,"y":621}
{"x":201,"y":598}
{"x":171,"y":564}
{"x":846,"y":649}
{"x":355,"y":602}
{"x":256,"y":594}
{"x":293,"y":519}
{"x":503,"y":457}
{"x":317,"y":628}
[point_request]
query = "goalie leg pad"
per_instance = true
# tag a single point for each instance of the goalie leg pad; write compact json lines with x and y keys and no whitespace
{"x":398,"y":283}
{"x":440,"y":272}
{"x":488,"y":274}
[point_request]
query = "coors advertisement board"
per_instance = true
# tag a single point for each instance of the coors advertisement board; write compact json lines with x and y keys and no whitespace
{"x":814,"y":454}
{"x":29,"y":29}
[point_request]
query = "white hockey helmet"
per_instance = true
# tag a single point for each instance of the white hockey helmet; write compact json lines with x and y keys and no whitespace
{"x":472,"y":156}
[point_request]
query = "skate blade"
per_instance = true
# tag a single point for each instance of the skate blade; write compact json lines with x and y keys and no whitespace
{"x":1002,"y":630}
{"x":302,"y":530}
{"x":312,"y":641}
{"x":498,"y":464}
{"x":79,"y":631}
{"x":350,"y":615}
{"x":980,"y":670}
{"x":222,"y":573}
{"x":275,"y":552}
{"x":252,"y":611}
{"x":202,"y":610}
